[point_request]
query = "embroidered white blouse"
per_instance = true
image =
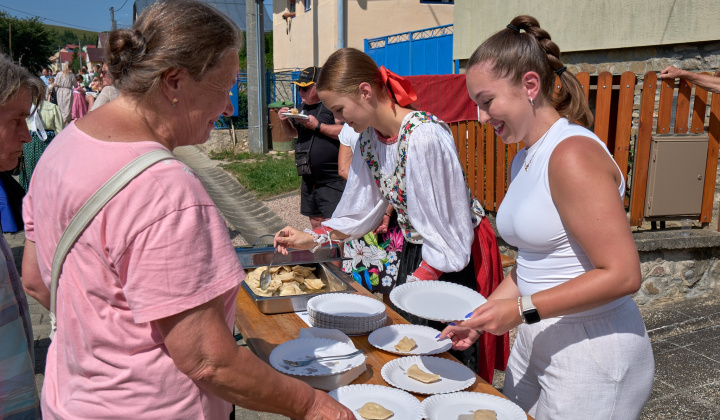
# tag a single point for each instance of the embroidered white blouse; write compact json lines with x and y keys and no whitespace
{"x":438,"y":203}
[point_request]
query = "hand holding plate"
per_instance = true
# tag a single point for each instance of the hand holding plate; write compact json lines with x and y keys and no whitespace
{"x":310,"y":123}
{"x":461,"y":337}
{"x":325,"y":407}
{"x":282,"y":113}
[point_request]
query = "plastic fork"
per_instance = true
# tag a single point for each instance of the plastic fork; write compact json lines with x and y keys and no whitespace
{"x":301,"y":363}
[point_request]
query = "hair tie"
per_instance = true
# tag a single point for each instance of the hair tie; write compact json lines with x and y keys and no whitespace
{"x":561,"y":70}
{"x":513,"y":27}
{"x":400,"y":88}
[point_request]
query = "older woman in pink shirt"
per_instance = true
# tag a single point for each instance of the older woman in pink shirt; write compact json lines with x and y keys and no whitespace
{"x":145,"y":303}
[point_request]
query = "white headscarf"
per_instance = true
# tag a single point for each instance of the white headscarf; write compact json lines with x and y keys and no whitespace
{"x":35,"y":123}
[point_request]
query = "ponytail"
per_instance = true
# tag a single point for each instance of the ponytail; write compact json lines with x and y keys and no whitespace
{"x":524,"y":46}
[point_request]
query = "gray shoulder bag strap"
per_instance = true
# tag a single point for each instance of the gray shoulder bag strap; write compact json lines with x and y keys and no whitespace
{"x":88,"y":212}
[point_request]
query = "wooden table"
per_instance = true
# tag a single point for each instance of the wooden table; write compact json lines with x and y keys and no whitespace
{"x":263,"y":333}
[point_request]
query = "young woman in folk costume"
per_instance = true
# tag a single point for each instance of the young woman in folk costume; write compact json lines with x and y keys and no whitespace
{"x":581,"y":350}
{"x":406,"y":158}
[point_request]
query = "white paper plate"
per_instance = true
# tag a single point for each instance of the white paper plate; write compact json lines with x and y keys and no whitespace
{"x":298,"y":116}
{"x":454,"y":376}
{"x":385,"y":339}
{"x":345,"y":305}
{"x":436,"y":300}
{"x":403,"y":405}
{"x":304,"y":348}
{"x":461,"y":405}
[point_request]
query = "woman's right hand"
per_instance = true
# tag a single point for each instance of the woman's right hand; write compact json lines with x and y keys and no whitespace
{"x":289,"y":237}
{"x":496,"y":316}
{"x":325,"y":407}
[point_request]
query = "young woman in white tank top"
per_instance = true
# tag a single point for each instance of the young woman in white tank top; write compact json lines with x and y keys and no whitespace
{"x":582,"y":351}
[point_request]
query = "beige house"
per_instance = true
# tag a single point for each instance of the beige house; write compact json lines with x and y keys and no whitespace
{"x":607,"y":35}
{"x":305,"y":32}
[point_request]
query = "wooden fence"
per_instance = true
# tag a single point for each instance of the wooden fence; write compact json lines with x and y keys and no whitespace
{"x":485,"y":158}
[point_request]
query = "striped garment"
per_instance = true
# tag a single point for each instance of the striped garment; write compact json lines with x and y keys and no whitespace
{"x":18,"y":394}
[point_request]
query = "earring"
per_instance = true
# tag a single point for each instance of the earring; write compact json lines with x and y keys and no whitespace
{"x":532,"y":102}
{"x":174,"y":102}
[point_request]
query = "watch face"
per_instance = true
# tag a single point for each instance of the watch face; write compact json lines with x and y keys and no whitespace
{"x":531,"y":316}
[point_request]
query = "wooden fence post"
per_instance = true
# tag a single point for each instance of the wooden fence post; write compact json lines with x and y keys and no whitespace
{"x":623,"y":130}
{"x":642,"y":149}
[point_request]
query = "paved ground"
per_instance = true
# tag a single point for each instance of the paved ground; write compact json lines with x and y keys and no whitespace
{"x":685,"y":335}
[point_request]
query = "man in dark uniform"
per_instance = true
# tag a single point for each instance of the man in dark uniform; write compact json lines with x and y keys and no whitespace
{"x":316,"y":152}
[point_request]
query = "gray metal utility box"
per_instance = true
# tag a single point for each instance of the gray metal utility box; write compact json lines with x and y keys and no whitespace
{"x":676,"y":175}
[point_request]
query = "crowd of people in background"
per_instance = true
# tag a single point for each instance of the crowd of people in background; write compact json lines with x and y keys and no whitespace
{"x":67,"y":97}
{"x":75,"y":94}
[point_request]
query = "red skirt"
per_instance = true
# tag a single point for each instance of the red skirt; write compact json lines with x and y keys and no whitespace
{"x":493,"y":350}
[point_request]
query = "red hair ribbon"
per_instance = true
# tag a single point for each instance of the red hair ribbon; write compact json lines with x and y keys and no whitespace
{"x":399,"y":87}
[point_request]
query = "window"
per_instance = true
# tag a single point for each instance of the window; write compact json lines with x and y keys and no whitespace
{"x":308,"y":5}
{"x":437,"y":1}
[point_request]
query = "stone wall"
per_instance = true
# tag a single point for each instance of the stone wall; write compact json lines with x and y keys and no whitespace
{"x":640,"y":60}
{"x":674,"y":264}
{"x":674,"y":274}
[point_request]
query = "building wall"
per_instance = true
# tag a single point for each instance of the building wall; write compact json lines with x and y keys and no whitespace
{"x":591,"y":24}
{"x":312,"y":35}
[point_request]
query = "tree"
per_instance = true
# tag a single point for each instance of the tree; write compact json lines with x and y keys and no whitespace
{"x":32,"y":43}
{"x":69,"y":37}
{"x":75,"y":63}
{"x":268,"y":52}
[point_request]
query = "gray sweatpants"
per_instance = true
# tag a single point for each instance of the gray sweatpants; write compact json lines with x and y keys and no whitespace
{"x":591,"y":367}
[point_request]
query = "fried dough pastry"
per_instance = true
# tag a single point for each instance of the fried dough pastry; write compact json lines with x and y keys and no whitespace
{"x":484,"y":415}
{"x":405,"y":344}
{"x":418,"y":374}
{"x":286,"y":281}
{"x":374,"y":411}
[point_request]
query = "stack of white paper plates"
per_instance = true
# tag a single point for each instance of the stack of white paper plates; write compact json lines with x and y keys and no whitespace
{"x":403,"y":405}
{"x":436,"y":300}
{"x":349,"y":313}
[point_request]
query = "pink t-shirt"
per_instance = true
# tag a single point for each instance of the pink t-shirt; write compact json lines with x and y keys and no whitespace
{"x":158,"y":248}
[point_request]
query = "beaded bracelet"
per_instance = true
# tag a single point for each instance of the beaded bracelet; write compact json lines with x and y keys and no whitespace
{"x":320,"y":236}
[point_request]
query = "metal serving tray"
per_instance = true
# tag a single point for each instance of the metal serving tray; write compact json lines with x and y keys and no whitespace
{"x":257,"y":257}
{"x":335,"y":281}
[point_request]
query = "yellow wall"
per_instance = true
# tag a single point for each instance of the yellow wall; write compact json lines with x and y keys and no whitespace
{"x":313,"y":35}
{"x":591,"y":24}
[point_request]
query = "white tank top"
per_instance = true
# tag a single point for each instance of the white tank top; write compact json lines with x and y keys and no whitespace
{"x":528,"y":219}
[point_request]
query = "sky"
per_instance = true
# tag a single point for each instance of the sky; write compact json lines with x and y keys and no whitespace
{"x":89,"y":15}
